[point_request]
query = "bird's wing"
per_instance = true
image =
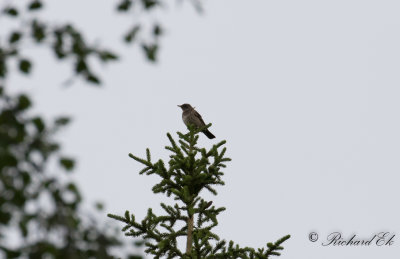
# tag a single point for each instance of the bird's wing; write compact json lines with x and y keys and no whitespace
{"x":199,"y":117}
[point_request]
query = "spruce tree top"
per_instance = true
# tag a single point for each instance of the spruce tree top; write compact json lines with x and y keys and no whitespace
{"x":190,"y":170}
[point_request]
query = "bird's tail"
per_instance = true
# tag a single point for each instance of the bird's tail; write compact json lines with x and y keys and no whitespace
{"x":208,"y":134}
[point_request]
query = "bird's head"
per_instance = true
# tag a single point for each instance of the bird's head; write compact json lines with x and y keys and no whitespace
{"x":185,"y":107}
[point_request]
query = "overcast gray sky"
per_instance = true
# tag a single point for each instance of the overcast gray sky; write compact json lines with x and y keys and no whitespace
{"x":305,"y":92}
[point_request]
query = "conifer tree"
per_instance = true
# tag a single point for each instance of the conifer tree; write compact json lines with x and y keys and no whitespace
{"x":190,"y":170}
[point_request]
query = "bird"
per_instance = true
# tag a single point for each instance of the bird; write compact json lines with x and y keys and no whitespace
{"x":191,"y":116}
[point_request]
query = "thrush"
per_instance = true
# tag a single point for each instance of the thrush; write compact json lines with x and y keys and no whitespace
{"x":191,"y":116}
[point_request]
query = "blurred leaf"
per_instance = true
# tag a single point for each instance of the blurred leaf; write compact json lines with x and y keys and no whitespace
{"x":3,"y":67}
{"x":62,"y":121}
{"x":59,"y":43}
{"x":35,"y":5}
{"x":19,"y":198}
{"x":11,"y":11}
{"x":26,"y":178}
{"x":78,"y":46}
{"x":12,"y":253}
{"x":5,"y":216}
{"x":23,"y":102}
{"x":130,"y":36}
{"x":106,"y":56}
{"x":23,"y":228}
{"x":52,"y":147}
{"x":124,"y":5}
{"x":48,"y":183}
{"x":59,"y":53}
{"x":138,"y":243}
{"x":80,"y":66}
{"x":25,"y":66}
{"x":149,"y":3}
{"x":72,"y":187}
{"x":93,"y":79}
{"x":38,"y":31}
{"x":39,"y":124}
{"x":151,"y":51}
{"x":157,"y":30}
{"x":67,"y":163}
{"x":15,"y":36}
{"x":99,"y":205}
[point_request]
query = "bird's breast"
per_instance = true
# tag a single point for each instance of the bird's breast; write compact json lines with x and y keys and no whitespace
{"x":185,"y":117}
{"x":188,"y":118}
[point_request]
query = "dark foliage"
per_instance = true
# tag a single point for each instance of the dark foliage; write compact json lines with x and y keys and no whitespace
{"x":55,"y":228}
{"x":67,"y":42}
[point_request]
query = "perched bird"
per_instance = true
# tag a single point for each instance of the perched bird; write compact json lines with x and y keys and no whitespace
{"x":191,"y":116}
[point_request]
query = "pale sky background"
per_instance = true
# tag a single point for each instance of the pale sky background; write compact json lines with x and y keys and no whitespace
{"x":305,"y":92}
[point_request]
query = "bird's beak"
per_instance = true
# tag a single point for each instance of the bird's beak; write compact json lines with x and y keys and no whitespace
{"x":179,"y":105}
